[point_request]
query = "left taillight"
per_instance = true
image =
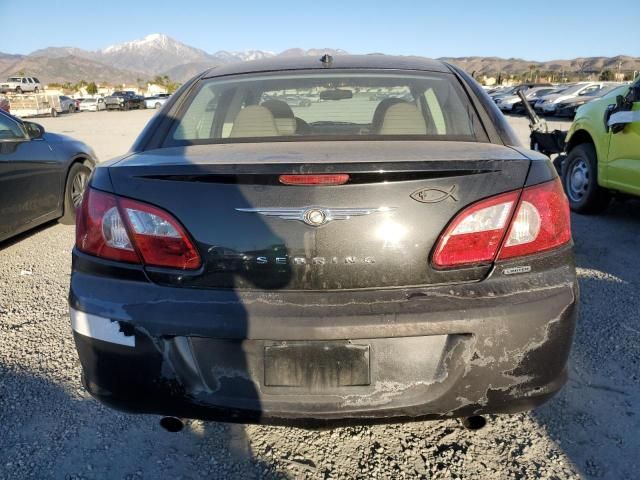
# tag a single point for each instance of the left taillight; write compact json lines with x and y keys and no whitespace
{"x":125,"y":230}
{"x":506,"y":226}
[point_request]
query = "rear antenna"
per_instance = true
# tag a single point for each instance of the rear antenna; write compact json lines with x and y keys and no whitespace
{"x":326,"y":60}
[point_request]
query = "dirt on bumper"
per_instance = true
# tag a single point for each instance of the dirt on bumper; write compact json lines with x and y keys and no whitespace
{"x":497,"y":346}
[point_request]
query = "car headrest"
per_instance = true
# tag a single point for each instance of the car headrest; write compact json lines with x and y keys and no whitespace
{"x":381,"y":110}
{"x":283,"y":116}
{"x":254,"y":121}
{"x":403,"y":119}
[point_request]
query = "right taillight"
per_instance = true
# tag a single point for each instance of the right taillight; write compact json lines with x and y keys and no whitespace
{"x":125,"y":230}
{"x":542,"y":221}
{"x":505,"y":226}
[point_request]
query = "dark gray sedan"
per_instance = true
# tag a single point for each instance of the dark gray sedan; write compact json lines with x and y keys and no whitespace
{"x":42,"y":175}
{"x":352,"y":261}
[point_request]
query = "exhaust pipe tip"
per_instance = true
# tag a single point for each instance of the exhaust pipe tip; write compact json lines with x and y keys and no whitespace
{"x":171,"y":424}
{"x":474,"y":422}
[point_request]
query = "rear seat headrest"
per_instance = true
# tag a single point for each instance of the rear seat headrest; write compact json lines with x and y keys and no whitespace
{"x":254,"y":121}
{"x":403,"y":119}
{"x":381,"y":110}
{"x":283,"y":116}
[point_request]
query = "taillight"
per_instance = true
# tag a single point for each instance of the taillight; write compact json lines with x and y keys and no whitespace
{"x":542,"y":221}
{"x":100,"y":230}
{"x":509,"y":225}
{"x":130,"y":231}
{"x":315,"y":179}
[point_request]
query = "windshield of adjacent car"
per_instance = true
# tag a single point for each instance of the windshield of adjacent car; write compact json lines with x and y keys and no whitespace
{"x":326,"y":106}
{"x":89,"y":100}
{"x":10,"y":129}
{"x":615,"y":91}
{"x":14,"y":79}
{"x":578,"y":88}
{"x":542,"y":92}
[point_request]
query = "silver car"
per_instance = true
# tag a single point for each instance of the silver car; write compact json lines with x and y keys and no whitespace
{"x":67,"y":104}
{"x":156,"y":101}
{"x":92,"y":105}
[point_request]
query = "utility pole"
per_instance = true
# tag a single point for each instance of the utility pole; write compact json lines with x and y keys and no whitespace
{"x":619,"y":69}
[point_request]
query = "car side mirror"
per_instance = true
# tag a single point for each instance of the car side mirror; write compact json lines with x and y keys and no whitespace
{"x":35,"y":130}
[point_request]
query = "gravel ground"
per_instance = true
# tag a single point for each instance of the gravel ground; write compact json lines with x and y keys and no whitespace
{"x":50,"y":428}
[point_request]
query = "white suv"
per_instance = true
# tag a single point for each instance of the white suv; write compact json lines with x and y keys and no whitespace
{"x":20,"y":85}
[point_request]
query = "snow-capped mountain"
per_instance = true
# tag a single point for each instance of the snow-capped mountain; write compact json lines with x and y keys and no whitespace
{"x":153,"y":54}
{"x":227,"y":57}
{"x":159,"y":54}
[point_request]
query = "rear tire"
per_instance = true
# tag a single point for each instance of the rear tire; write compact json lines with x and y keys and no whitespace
{"x":580,"y":180}
{"x":77,"y":181}
{"x":36,"y":90}
{"x":157,"y":105}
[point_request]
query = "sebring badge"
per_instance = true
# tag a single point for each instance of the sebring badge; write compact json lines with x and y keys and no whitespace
{"x":315,"y":216}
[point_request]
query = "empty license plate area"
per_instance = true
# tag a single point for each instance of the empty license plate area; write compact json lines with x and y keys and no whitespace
{"x":316,"y":365}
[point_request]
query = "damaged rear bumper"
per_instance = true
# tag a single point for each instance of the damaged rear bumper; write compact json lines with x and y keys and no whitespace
{"x":327,"y":358}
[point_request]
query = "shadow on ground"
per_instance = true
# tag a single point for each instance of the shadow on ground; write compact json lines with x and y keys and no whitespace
{"x":90,"y":441}
{"x":596,"y":418}
{"x":29,"y":233}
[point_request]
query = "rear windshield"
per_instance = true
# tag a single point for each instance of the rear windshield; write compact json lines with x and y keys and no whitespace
{"x":326,"y":106}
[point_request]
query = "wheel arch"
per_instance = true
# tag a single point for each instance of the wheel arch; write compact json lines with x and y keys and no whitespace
{"x":81,"y":158}
{"x":578,"y":138}
{"x":600,"y":146}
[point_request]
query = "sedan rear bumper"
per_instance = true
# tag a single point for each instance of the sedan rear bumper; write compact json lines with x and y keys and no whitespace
{"x":327,"y":358}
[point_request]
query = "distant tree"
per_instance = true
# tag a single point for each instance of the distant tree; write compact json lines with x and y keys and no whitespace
{"x":165,"y":81}
{"x":606,"y":76}
{"x":581,"y":64}
{"x":92,"y":88}
{"x":531,"y":69}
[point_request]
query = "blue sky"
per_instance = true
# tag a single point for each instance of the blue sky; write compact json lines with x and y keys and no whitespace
{"x":544,"y":31}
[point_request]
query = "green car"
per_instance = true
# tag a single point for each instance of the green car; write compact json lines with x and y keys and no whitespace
{"x":603,"y":147}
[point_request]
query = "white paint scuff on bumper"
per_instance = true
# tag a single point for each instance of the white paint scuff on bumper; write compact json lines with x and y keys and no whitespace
{"x":99,"y":328}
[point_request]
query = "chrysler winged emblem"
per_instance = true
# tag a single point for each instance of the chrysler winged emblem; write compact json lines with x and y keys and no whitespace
{"x":315,"y":216}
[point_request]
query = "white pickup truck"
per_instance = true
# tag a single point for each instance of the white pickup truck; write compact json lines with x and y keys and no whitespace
{"x":20,"y":85}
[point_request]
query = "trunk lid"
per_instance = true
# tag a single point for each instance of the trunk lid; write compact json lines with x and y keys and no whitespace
{"x":386,"y":220}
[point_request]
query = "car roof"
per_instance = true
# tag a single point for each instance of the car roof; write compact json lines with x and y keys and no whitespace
{"x":373,"y":61}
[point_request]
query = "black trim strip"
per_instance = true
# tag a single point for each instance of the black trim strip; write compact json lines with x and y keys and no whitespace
{"x":354,"y":178}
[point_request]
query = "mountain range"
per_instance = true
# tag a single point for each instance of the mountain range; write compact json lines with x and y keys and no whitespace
{"x":159,"y":54}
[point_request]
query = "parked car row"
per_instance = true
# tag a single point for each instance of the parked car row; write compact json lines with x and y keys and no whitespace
{"x":547,"y":99}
